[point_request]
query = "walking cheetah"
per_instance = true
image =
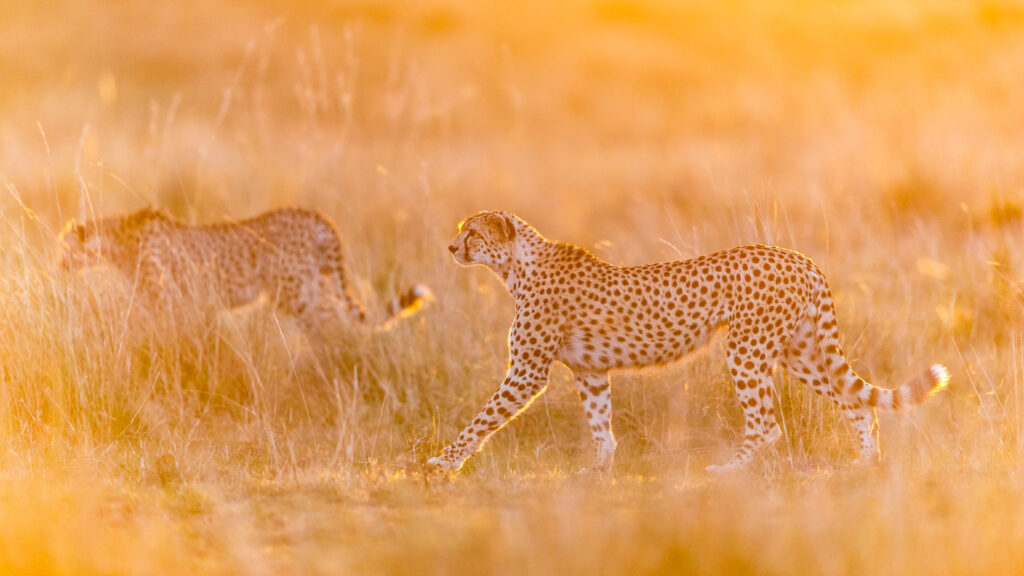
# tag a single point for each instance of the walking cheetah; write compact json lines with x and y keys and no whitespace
{"x":292,"y":256}
{"x":594,"y":316}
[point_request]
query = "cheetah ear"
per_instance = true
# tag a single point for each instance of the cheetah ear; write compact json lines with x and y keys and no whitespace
{"x":510,"y":226}
{"x":72,"y":227}
{"x":144,"y":216}
{"x":503,"y":224}
{"x":150,"y":213}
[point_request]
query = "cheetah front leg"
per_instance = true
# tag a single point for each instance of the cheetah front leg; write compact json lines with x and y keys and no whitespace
{"x":530,"y":356}
{"x":511,"y":398}
{"x":595,"y":393}
{"x":153,"y":293}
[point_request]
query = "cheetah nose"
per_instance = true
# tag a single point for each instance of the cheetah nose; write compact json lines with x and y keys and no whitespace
{"x":452,"y":248}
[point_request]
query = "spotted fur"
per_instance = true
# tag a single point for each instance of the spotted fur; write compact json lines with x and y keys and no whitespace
{"x":594,"y":317}
{"x":291,"y":256}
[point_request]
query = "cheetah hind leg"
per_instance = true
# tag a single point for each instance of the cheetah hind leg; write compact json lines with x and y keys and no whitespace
{"x":805,"y":361}
{"x":746,"y":452}
{"x":754,"y":390}
{"x":866,"y":424}
{"x":595,"y":394}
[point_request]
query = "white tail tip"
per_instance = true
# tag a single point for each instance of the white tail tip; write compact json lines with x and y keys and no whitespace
{"x":940,"y":375}
{"x":423,"y":292}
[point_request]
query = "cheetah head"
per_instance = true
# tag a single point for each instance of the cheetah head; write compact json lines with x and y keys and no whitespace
{"x":485,"y":238}
{"x":84,"y":245}
{"x":104,"y":241}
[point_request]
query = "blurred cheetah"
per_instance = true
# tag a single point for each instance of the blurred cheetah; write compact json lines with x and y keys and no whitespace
{"x":594,"y":316}
{"x":292,"y":256}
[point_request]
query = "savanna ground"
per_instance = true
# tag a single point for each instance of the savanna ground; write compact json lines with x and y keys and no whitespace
{"x":881,"y":138}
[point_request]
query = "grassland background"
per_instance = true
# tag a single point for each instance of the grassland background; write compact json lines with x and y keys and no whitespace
{"x":881,"y":138}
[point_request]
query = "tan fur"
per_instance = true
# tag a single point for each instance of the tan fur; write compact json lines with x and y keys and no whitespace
{"x":593,"y":317}
{"x":292,"y":257}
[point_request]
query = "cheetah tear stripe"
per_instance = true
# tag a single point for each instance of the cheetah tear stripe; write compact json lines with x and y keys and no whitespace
{"x":594,"y":317}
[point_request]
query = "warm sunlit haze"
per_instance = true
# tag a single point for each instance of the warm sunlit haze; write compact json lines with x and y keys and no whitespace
{"x":884,"y":139}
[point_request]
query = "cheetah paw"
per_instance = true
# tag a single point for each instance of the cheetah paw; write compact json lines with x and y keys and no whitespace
{"x":441,"y":464}
{"x":594,"y":472}
{"x":719,"y":469}
{"x":867,"y":461}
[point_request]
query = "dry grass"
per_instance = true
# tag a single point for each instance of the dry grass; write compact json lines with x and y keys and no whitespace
{"x":880,"y":138}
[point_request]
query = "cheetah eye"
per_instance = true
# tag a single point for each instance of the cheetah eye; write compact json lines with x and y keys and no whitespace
{"x":473,"y":240}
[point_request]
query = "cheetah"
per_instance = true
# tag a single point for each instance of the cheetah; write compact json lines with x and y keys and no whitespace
{"x":291,"y":256}
{"x":594,"y":316}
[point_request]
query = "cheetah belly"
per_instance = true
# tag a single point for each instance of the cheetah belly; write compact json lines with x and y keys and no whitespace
{"x":238,"y":292}
{"x":241,"y":278}
{"x":632,"y":347}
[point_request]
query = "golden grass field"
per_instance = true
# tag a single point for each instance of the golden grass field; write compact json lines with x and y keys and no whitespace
{"x":882,"y":138}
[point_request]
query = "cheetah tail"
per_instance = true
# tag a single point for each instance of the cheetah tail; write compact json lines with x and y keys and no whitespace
{"x":849,"y":384}
{"x":928,"y":382}
{"x":405,"y":305}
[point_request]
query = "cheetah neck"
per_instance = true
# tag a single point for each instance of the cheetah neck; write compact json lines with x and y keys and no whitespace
{"x":526,"y":253}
